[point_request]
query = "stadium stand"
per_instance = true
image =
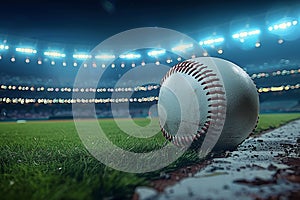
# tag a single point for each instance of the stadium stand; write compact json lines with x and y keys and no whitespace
{"x":37,"y":84}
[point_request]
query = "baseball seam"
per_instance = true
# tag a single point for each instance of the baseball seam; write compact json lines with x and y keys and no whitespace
{"x":216,"y":100}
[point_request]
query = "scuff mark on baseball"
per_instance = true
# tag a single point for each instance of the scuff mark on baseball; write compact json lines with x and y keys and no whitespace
{"x":209,"y":103}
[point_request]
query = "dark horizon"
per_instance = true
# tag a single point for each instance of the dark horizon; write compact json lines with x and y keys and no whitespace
{"x":90,"y":22}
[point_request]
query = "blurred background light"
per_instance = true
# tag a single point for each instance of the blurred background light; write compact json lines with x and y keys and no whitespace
{"x":105,"y":56}
{"x":26,"y":50}
{"x":130,"y":56}
{"x":182,"y":47}
{"x":246,"y":34}
{"x":81,"y":56}
{"x":4,"y":47}
{"x":54,"y":54}
{"x":212,"y":41}
{"x":156,"y":53}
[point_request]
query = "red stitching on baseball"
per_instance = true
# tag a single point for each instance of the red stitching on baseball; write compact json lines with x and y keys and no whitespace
{"x":207,"y":71}
{"x":208,"y":75}
{"x":217,"y":105}
{"x":216,"y":98}
{"x":195,"y":70}
{"x":179,"y":69}
{"x":201,"y":131}
{"x":187,"y":69}
{"x":210,"y":81}
{"x":201,"y":67}
{"x":203,"y":73}
{"x":205,"y":128}
{"x":215,"y":92}
{"x":199,"y":70}
{"x":195,"y":66}
{"x":216,"y":112}
{"x":212,"y":86}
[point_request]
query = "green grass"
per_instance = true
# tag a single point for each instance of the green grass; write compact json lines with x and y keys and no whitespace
{"x":47,"y":160}
{"x":271,"y":121}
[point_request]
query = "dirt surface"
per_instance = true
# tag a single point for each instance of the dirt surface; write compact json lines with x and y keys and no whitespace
{"x":173,"y":177}
{"x":266,"y":166}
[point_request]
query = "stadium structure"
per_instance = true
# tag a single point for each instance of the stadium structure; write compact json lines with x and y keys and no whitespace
{"x":37,"y":77}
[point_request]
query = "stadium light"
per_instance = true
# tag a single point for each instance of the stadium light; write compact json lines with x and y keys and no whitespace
{"x":246,"y":34}
{"x":182,"y":47}
{"x":130,"y":56}
{"x":105,"y":56}
{"x":81,"y":56}
{"x":283,"y":25}
{"x":212,"y":41}
{"x":3,"y":47}
{"x":26,"y":50}
{"x":54,"y":54}
{"x":280,"y":41}
{"x":156,"y":53}
{"x":247,"y":38}
{"x":257,"y":44}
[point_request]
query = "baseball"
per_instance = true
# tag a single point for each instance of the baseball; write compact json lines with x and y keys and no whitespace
{"x":207,"y":102}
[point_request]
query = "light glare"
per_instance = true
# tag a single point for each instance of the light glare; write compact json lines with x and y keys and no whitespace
{"x":26,"y":50}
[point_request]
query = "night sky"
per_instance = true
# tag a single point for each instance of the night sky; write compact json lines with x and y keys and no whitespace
{"x":89,"y":22}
